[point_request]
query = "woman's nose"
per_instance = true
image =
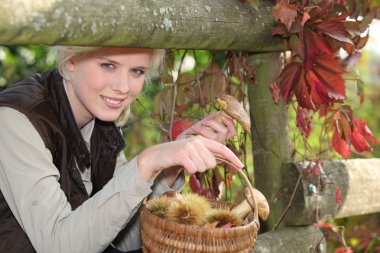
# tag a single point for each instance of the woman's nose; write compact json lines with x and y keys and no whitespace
{"x":121,"y":84}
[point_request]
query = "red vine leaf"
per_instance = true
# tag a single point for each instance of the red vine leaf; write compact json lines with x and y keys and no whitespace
{"x":346,"y":129}
{"x":338,"y":196}
{"x":194,"y":183}
{"x":336,"y":45}
{"x":180,"y":109}
{"x":343,"y":250}
{"x":304,"y":121}
{"x":313,"y":168}
{"x":289,"y":78}
{"x":303,"y":94}
{"x":360,"y":42}
{"x":305,"y":18}
{"x":280,"y":29}
{"x":285,"y":12}
{"x":340,"y":145}
{"x":323,"y":8}
{"x":329,"y":64}
{"x":341,"y":2}
{"x":311,"y":45}
{"x":334,"y":29}
{"x":334,"y":83}
{"x":196,"y":186}
{"x":179,"y":126}
{"x":361,"y":135}
{"x":317,"y":89}
{"x":275,"y":91}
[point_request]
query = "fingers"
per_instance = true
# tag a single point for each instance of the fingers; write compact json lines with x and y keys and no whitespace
{"x":222,"y":151}
{"x":230,"y":126}
{"x":214,"y":130}
{"x":194,"y":154}
{"x":194,"y":128}
{"x":199,"y":154}
{"x":197,"y":158}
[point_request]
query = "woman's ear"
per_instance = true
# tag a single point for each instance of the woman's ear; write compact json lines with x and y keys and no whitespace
{"x":70,"y":64}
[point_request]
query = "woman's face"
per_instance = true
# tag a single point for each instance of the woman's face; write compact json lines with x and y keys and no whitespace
{"x":105,"y":82}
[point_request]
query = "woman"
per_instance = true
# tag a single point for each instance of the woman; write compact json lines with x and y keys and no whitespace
{"x":65,"y":183}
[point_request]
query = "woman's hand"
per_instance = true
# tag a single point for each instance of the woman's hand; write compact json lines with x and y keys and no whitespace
{"x":194,"y":154}
{"x":211,"y":129}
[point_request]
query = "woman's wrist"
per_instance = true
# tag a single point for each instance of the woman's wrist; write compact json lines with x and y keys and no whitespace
{"x":144,"y":166}
{"x":171,"y":174}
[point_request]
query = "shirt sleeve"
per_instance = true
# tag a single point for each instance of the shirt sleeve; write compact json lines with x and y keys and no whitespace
{"x":29,"y":183}
{"x":130,"y":237}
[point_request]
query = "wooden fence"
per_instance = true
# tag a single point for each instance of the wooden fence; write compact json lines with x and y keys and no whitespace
{"x":359,"y":183}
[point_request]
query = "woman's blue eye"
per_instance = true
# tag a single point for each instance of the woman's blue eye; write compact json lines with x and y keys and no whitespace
{"x":107,"y":65}
{"x":138,"y":71}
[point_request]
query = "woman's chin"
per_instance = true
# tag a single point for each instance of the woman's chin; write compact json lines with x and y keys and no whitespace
{"x":108,"y":117}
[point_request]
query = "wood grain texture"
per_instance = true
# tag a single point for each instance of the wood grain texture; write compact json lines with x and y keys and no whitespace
{"x":204,"y":24}
{"x":357,"y":179}
{"x":291,"y":240}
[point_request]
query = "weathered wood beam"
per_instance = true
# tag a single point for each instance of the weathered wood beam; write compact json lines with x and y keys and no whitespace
{"x":291,"y":239}
{"x":357,"y":179}
{"x":201,"y":24}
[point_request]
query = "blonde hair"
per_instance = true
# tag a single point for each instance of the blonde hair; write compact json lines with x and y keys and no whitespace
{"x":66,"y":53}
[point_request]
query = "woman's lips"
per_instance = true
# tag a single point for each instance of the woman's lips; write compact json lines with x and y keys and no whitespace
{"x":113,"y":103}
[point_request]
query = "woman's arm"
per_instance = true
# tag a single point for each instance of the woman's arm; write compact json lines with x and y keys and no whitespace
{"x":29,"y":183}
{"x":129,"y":238}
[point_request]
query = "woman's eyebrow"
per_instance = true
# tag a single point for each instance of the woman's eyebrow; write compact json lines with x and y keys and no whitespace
{"x":117,"y":63}
{"x":142,"y":67}
{"x":109,"y":60}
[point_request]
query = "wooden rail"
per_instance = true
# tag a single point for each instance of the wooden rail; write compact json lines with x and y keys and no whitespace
{"x":358,"y":181}
{"x":201,"y":24}
{"x":299,"y":239}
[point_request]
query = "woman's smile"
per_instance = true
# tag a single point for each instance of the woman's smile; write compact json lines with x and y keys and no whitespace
{"x":113,"y":103}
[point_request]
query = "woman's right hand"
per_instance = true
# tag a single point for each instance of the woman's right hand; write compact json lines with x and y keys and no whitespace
{"x":194,"y":154}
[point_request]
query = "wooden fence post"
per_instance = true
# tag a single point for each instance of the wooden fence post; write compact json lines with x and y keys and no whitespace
{"x":270,"y":141}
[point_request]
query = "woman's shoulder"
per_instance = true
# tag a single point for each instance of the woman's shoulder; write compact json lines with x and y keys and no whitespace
{"x":29,"y":85}
{"x":27,"y":93}
{"x":13,"y":117}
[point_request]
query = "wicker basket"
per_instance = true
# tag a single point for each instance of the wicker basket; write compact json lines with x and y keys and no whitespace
{"x":165,"y":236}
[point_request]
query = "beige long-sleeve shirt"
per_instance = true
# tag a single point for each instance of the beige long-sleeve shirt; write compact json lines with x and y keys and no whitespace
{"x":29,"y":183}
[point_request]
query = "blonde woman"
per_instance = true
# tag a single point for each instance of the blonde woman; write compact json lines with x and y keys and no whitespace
{"x":65,"y":183}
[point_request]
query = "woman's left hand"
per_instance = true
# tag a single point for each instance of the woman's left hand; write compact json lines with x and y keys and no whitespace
{"x":211,"y":129}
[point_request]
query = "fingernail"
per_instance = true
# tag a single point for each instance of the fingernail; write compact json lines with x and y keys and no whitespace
{"x":241,"y":164}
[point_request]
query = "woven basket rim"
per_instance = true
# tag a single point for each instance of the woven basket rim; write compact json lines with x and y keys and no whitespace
{"x":253,"y":222}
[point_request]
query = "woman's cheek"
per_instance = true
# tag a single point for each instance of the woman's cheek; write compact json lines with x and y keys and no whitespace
{"x":136,"y":88}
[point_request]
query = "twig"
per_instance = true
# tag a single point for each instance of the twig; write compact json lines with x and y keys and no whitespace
{"x":315,"y":249}
{"x":289,"y":204}
{"x":151,"y":115}
{"x":175,"y":86}
{"x":198,"y":82}
{"x":317,"y":208}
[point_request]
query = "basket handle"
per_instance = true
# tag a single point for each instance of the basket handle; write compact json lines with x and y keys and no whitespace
{"x":251,"y":191}
{"x":250,"y":188}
